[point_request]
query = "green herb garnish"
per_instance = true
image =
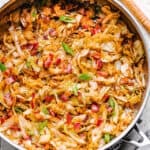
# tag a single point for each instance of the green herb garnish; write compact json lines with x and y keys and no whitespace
{"x":113,"y":113}
{"x":18,"y":110}
{"x":34,"y":14}
{"x":84,"y":76}
{"x":66,"y":19}
{"x":75,"y":90}
{"x":42,"y":125}
{"x":31,"y":133}
{"x":111,"y":102}
{"x":45,"y":111}
{"x":67,"y":49}
{"x":2,"y":67}
{"x":28,"y":64}
{"x":107,"y":137}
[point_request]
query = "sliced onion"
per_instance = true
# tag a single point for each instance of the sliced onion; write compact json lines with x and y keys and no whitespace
{"x":10,"y":80}
{"x":9,"y":123}
{"x":15,"y":38}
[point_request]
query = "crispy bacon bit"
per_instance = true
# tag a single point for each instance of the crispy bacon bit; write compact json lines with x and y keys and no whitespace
{"x":126,"y":80}
{"x":27,"y":46}
{"x":64,"y":98}
{"x":69,"y":68}
{"x":102,"y":73}
{"x":45,"y":18}
{"x":77,"y":126}
{"x":32,"y":47}
{"x":10,"y":80}
{"x":15,"y":128}
{"x":99,"y":122}
{"x":27,"y":137}
{"x":95,"y":108}
{"x":80,"y":96}
{"x":52,"y":113}
{"x":48,"y":98}
{"x":99,"y":64}
{"x":95,"y":30}
{"x":95,"y":55}
{"x":68,"y":118}
{"x":45,"y":37}
{"x":8,"y":99}
{"x":48,"y":61}
{"x":106,"y":97}
{"x":58,"y":61}
{"x":3,"y":59}
{"x":52,"y":32}
{"x":85,"y":26}
{"x":35,"y":45}
{"x":33,"y":52}
{"x":110,"y":109}
{"x":2,"y":120}
{"x":8,"y":72}
{"x":33,"y":101}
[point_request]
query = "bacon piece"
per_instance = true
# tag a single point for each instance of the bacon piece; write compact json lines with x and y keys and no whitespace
{"x":48,"y":98}
{"x":77,"y":126}
{"x":95,"y":108}
{"x":99,"y":64}
{"x":68,"y":118}
{"x":8,"y":99}
{"x":58,"y":61}
{"x":102,"y":73}
{"x":10,"y":80}
{"x":48,"y":61}
{"x":99,"y":122}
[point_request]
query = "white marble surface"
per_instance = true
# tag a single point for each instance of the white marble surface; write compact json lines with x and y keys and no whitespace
{"x":145,"y":124}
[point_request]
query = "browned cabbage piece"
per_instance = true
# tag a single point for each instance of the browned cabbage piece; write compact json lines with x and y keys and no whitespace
{"x":71,"y":75}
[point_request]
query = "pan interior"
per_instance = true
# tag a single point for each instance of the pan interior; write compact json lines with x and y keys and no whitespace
{"x":130,"y":25}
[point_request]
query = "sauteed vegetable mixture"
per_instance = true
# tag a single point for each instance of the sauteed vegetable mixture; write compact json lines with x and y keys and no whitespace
{"x":71,"y":76}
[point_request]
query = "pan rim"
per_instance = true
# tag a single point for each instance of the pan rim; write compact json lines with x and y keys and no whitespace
{"x":139,"y":30}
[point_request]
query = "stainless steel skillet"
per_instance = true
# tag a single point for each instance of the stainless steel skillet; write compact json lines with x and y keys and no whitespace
{"x":135,"y":26}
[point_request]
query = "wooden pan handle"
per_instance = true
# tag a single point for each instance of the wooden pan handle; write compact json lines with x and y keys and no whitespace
{"x":138,"y":13}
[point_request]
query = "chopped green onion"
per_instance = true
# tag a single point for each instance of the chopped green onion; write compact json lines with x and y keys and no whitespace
{"x":111,"y":102}
{"x":45,"y":111}
{"x":2,"y":67}
{"x":75,"y":90}
{"x":107,"y":137}
{"x":113,"y":113}
{"x":67,"y":49}
{"x":18,"y":110}
{"x":34,"y":14}
{"x":66,"y":19}
{"x":84,"y":76}
{"x":31,"y":133}
{"x":28,"y":64}
{"x":42,"y":125}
